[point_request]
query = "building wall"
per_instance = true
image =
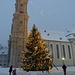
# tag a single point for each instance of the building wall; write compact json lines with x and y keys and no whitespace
{"x":19,"y":32}
{"x":3,"y":60}
{"x":73,"y":50}
{"x":3,"y":57}
{"x":58,"y":53}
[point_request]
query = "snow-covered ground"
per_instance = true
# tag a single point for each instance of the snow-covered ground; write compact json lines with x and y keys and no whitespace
{"x":70,"y":71}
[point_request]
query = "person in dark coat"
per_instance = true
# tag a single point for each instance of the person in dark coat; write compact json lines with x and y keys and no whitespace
{"x":42,"y":70}
{"x":64,"y":68}
{"x":10,"y":70}
{"x":47,"y":69}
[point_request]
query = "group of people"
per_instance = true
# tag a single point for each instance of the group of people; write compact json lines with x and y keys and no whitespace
{"x":12,"y":71}
{"x":47,"y":69}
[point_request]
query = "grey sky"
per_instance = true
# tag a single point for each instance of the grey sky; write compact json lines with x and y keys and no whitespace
{"x":58,"y":15}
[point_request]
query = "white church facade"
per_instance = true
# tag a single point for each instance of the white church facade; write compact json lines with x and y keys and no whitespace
{"x":61,"y":46}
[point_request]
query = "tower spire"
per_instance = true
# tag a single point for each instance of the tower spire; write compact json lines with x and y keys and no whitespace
{"x":18,"y":32}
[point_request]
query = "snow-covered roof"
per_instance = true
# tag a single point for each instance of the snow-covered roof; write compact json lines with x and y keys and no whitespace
{"x":4,"y":50}
{"x":54,"y":35}
{"x":71,"y":34}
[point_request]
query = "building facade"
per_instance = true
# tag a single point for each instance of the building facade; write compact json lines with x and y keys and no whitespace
{"x":18,"y":32}
{"x":3,"y":56}
{"x":61,"y":46}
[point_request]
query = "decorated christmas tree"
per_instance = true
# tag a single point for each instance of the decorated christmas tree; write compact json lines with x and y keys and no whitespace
{"x":36,"y":57}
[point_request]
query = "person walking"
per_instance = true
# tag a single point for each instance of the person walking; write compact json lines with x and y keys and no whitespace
{"x":64,"y":68}
{"x":10,"y":70}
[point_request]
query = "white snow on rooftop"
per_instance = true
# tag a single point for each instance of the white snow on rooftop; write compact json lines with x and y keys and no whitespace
{"x":72,"y":31}
{"x":54,"y":35}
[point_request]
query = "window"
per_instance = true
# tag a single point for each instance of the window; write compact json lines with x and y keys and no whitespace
{"x":0,"y":60}
{"x":0,"y":64}
{"x":2,"y":52}
{"x":4,"y":60}
{"x":4,"y":64}
{"x":5,"y":56}
{"x":51,"y":46}
{"x":57,"y":49}
{"x":63,"y":48}
{"x":69,"y":51}
{"x":0,"y":56}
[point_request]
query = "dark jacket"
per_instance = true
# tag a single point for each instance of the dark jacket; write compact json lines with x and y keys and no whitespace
{"x":10,"y":69}
{"x":64,"y":67}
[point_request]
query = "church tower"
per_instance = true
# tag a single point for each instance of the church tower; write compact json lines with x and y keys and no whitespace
{"x":18,"y":32}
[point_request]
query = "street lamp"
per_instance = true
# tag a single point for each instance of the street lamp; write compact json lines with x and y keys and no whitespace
{"x":63,"y":59}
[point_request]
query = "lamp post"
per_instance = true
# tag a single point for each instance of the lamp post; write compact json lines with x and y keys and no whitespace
{"x":63,"y":60}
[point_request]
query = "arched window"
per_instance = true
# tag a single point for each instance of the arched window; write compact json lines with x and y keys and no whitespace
{"x":57,"y":49}
{"x":69,"y":51}
{"x":63,"y":48}
{"x":51,"y":46}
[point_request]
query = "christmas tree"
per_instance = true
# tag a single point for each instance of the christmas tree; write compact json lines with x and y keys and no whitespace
{"x":36,"y":57}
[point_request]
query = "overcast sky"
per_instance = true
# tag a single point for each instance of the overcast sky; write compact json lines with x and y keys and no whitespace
{"x":57,"y":15}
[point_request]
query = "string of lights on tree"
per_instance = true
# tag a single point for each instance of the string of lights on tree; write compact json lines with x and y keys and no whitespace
{"x":36,"y":57}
